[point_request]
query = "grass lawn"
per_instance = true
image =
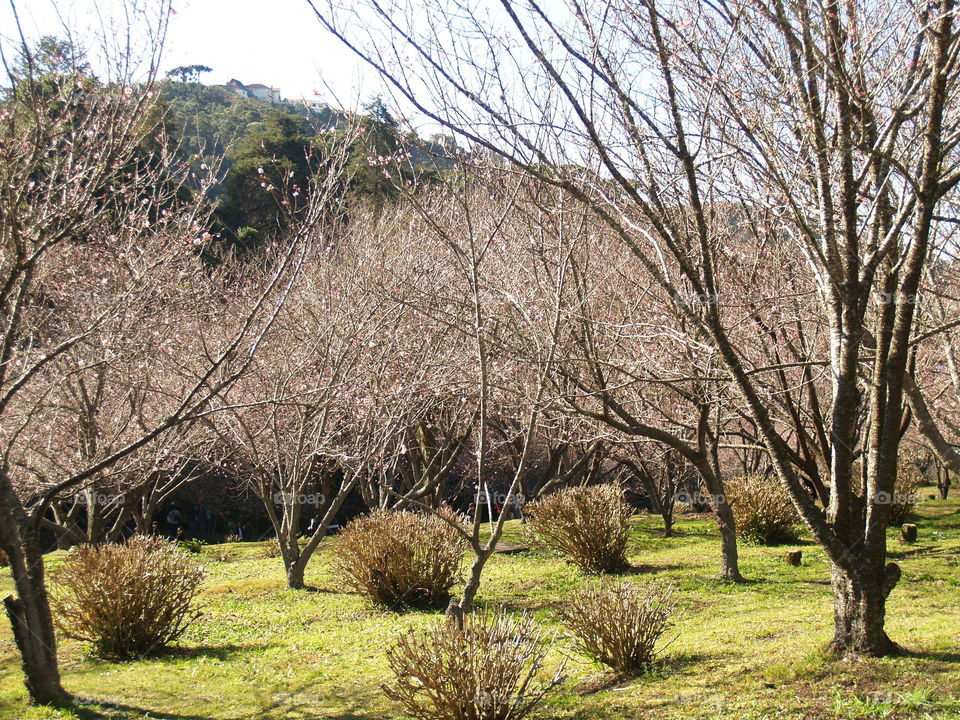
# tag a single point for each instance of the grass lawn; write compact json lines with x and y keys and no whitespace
{"x":751,"y":650}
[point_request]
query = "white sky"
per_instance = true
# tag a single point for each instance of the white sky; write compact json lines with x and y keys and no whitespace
{"x":274,"y":42}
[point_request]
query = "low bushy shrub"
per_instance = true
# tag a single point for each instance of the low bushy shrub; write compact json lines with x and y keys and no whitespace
{"x":127,"y":599}
{"x":401,"y":559}
{"x":487,"y":670}
{"x":220,"y":554}
{"x":905,"y":494}
{"x":619,"y":624}
{"x":588,"y":525}
{"x":191,"y":545}
{"x":271,"y":548}
{"x":762,"y":510}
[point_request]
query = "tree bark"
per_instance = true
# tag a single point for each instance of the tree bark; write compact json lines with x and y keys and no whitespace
{"x":726,"y":524}
{"x":295,"y":573}
{"x":859,"y":610}
{"x":29,"y":613}
{"x":464,"y":606}
{"x":943,"y":482}
{"x":729,"y":556}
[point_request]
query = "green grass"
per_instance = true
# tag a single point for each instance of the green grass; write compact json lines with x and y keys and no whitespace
{"x":742,"y":651}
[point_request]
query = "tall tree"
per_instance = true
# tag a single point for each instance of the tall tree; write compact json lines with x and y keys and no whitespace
{"x":839,"y":119}
{"x":81,"y":217}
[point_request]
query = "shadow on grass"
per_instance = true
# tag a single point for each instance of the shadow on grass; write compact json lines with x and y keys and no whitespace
{"x":772,"y":582}
{"x":295,"y":702}
{"x":928,"y":550}
{"x":84,"y":712}
{"x":323,"y":590}
{"x":662,"y":667}
{"x":947,"y":656}
{"x":89,"y":710}
{"x":216,"y":652}
{"x":643,"y":569}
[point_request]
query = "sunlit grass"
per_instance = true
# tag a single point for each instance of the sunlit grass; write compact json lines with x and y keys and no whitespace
{"x":753,"y":650}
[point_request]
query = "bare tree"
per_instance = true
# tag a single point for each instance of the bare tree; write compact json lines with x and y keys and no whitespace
{"x":317,"y":413}
{"x":839,"y":120}
{"x":662,"y":476}
{"x":465,"y":271}
{"x":932,"y":387}
{"x":77,"y":189}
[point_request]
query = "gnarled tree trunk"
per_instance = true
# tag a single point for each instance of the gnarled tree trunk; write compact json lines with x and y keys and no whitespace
{"x":859,"y":609}
{"x":29,"y":612}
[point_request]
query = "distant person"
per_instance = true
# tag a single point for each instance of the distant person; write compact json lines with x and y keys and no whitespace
{"x":174,"y":520}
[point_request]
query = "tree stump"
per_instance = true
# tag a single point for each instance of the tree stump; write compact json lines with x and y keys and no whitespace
{"x":793,"y":557}
{"x":908,"y":532}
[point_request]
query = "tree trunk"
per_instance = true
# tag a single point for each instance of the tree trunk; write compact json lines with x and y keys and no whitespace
{"x":464,"y":606}
{"x":729,"y":557}
{"x":295,"y":573}
{"x":859,"y":609}
{"x":294,"y":561}
{"x":943,"y":481}
{"x":29,"y":613}
{"x":33,"y":633}
{"x":726,"y":524}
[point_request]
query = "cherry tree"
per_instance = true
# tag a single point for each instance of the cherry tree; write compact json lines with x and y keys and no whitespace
{"x":835,"y":120}
{"x":98,"y":228}
{"x":472,"y":279}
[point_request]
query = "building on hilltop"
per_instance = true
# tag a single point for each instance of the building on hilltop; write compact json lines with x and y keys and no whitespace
{"x":263,"y":92}
{"x":256,"y":91}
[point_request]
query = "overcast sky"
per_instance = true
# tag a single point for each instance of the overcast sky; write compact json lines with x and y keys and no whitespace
{"x":274,"y":42}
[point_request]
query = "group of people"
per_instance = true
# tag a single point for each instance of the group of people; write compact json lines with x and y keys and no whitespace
{"x":202,"y":523}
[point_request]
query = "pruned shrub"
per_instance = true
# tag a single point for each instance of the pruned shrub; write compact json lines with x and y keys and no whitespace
{"x":588,"y":525}
{"x":905,"y":493}
{"x":220,"y":554}
{"x":127,"y":599}
{"x":619,"y":624}
{"x":487,"y":670}
{"x":271,"y":548}
{"x":401,"y":559}
{"x":762,"y":510}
